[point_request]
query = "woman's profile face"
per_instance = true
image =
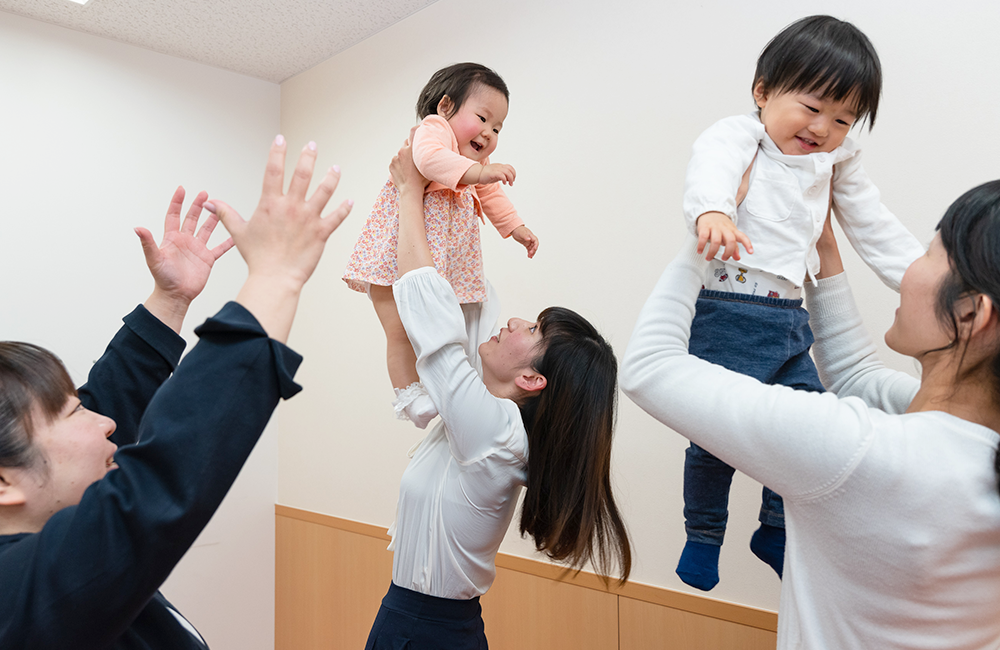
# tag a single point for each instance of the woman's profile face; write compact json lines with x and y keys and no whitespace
{"x":916,"y":328}
{"x":76,"y":452}
{"x":506,"y":355}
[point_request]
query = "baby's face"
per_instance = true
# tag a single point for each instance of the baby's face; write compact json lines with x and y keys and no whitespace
{"x":478,"y":122}
{"x":801,"y":123}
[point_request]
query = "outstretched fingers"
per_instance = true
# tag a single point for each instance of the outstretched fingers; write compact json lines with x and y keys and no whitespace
{"x":173,"y":219}
{"x":333,"y":220}
{"x":274,"y":172}
{"x":149,"y":248}
{"x":303,"y":173}
{"x":325,"y":189}
{"x":230,"y":218}
{"x":193,"y":214}
{"x":221,"y":249}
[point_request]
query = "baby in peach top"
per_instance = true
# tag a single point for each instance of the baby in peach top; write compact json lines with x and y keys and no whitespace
{"x":462,"y":109}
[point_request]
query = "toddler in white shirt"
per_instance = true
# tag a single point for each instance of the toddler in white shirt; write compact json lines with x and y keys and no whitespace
{"x":767,"y":182}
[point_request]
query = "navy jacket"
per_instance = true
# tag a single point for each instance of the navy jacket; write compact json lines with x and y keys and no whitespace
{"x":89,"y":579}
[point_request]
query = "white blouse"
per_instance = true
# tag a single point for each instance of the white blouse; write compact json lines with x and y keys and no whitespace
{"x":459,"y":492}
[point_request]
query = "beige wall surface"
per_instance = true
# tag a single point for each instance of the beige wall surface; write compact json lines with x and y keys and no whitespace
{"x":97,"y":135}
{"x":606,"y":100}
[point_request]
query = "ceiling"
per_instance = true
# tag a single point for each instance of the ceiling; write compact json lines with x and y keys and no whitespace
{"x":267,"y":39}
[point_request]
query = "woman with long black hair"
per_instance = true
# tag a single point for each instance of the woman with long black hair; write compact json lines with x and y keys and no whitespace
{"x":534,"y":406}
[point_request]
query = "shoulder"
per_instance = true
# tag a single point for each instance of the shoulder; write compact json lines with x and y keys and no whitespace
{"x":739,"y":133}
{"x":433,"y":124}
{"x":848,"y":149}
{"x":516,"y":435}
{"x":748,"y":123}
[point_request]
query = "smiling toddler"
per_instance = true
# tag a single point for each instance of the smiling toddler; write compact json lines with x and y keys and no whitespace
{"x":767,"y":181}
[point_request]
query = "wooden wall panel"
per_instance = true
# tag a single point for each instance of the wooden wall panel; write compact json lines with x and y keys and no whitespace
{"x":331,"y":575}
{"x":329,"y":584}
{"x":644,"y":626}
{"x":528,"y":612}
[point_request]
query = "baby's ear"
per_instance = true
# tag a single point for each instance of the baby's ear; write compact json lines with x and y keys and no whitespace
{"x":760,"y":93}
{"x":445,"y":107}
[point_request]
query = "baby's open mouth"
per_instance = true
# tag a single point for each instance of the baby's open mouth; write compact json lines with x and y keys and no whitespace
{"x":475,"y":145}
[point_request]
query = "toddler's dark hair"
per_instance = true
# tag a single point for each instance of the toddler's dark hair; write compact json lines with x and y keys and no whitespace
{"x":827,"y":55}
{"x":457,"y":81}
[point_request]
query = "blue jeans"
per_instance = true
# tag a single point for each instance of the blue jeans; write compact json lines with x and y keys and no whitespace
{"x":769,"y":340}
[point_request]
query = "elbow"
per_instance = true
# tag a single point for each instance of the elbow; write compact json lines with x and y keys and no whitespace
{"x":630,"y":377}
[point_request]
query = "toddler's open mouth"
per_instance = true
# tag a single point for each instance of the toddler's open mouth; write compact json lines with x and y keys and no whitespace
{"x":475,"y":145}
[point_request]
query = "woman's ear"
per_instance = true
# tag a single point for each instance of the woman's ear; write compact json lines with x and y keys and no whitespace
{"x":979,"y":314}
{"x":10,"y":493}
{"x":445,"y":107}
{"x":530,"y":381}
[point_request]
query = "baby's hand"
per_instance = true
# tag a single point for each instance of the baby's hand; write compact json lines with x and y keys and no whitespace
{"x":497,"y":173}
{"x":523,"y":236}
{"x":716,"y":229}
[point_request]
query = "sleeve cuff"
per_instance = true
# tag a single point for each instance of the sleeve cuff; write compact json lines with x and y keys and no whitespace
{"x":167,"y":343}
{"x":830,"y":298}
{"x":234,"y":320}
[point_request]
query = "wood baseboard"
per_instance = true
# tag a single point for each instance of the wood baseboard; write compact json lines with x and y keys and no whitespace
{"x":331,"y":574}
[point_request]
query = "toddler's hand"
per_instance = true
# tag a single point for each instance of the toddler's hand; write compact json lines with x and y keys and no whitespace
{"x":716,"y":229}
{"x":497,"y":173}
{"x":523,"y":236}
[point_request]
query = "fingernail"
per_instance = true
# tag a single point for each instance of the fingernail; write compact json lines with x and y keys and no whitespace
{"x":311,"y":146}
{"x":280,"y":140}
{"x":336,"y":169}
{"x":350,"y":202}
{"x":210,"y":207}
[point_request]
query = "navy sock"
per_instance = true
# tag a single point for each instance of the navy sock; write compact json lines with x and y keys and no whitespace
{"x":768,"y":544}
{"x":699,"y":565}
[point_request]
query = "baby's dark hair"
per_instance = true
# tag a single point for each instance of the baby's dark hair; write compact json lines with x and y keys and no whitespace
{"x":825,"y":55}
{"x":457,"y":81}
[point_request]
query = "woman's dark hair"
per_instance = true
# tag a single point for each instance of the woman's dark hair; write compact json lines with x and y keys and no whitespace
{"x":820,"y":54}
{"x":457,"y":81}
{"x":970,"y":234}
{"x":568,"y":506}
{"x":29,"y":376}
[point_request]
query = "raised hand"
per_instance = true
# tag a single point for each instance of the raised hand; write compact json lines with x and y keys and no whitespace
{"x":283,"y":242}
{"x":181,"y":264}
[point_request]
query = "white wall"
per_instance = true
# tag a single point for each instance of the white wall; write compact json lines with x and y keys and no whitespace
{"x":606,"y":99}
{"x":96,"y":137}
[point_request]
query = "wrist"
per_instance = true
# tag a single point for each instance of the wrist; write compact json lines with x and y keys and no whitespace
{"x":168,"y":308}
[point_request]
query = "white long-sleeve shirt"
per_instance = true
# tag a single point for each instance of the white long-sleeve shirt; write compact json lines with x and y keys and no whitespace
{"x":892,"y":519}
{"x":787,"y":201}
{"x":459,"y":492}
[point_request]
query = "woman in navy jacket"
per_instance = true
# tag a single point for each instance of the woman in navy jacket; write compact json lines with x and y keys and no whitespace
{"x":88,"y":534}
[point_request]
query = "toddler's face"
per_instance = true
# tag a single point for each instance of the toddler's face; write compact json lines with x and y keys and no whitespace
{"x":478,"y":122}
{"x":801,"y":123}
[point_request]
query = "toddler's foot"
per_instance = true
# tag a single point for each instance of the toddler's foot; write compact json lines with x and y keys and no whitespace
{"x":414,"y":404}
{"x":699,"y":565}
{"x":768,"y":544}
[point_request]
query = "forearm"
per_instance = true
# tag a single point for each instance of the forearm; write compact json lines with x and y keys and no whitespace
{"x":845,"y":354}
{"x":877,"y":235}
{"x":792,"y":441}
{"x":169,"y":310}
{"x":135,"y":363}
{"x":720,"y":157}
{"x":273,"y":300}
{"x":472,"y":175}
{"x":412,"y":250}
